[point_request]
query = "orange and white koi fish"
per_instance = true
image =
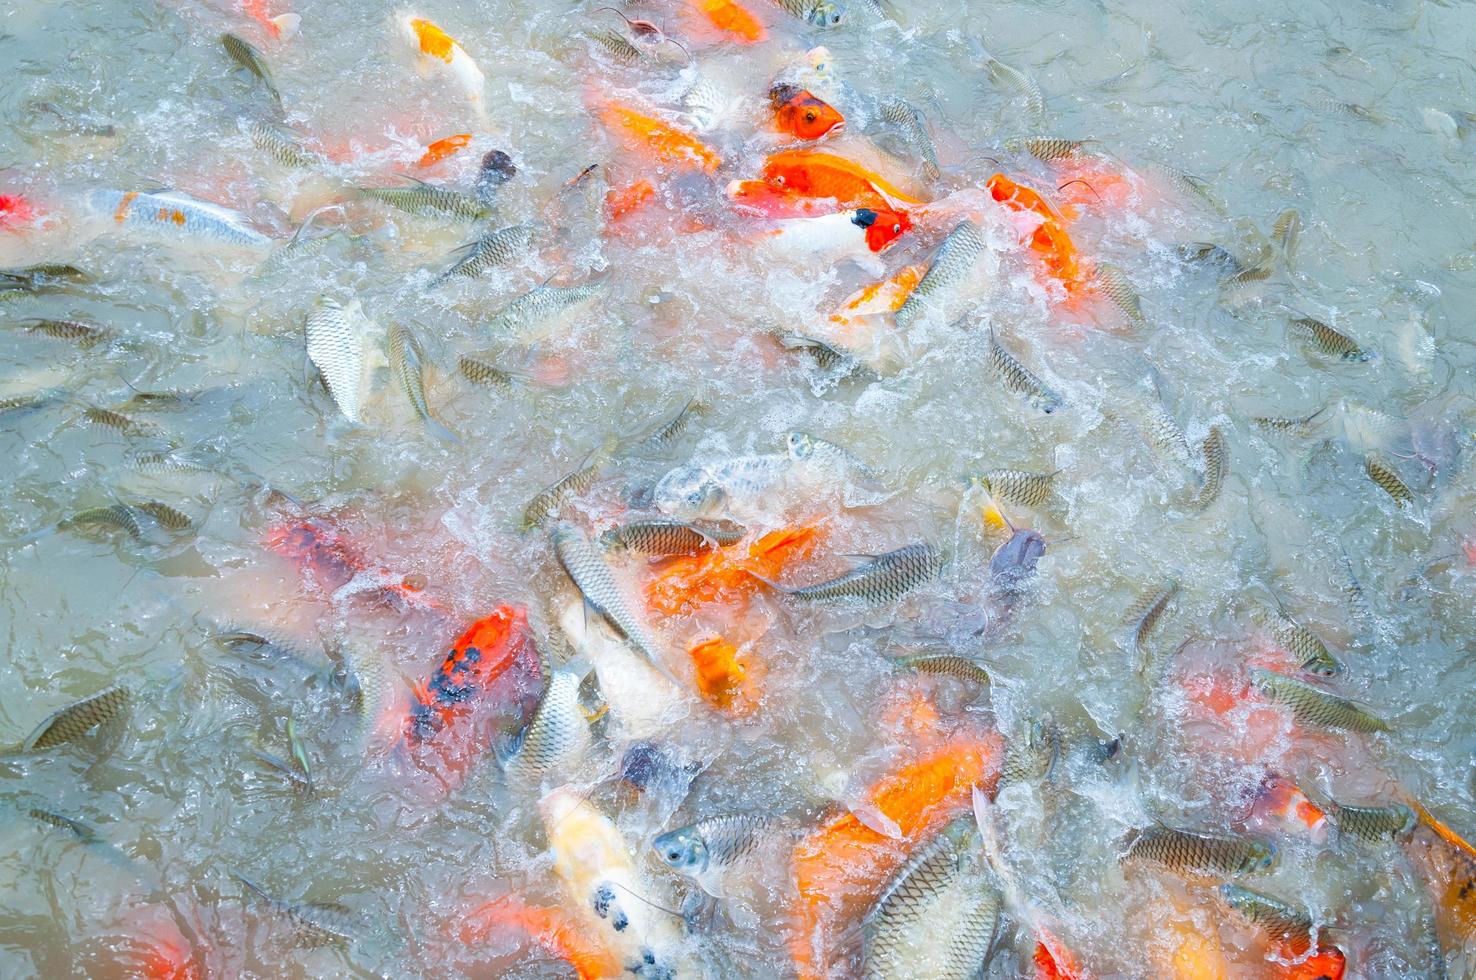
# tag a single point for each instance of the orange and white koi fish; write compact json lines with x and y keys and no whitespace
{"x":878,"y":298}
{"x":279,"y":27}
{"x":434,"y":43}
{"x":802,"y":114}
{"x":656,"y":139}
{"x":443,"y":148}
{"x":1280,"y":806}
{"x":860,"y":233}
{"x":553,"y":929}
{"x":732,"y":18}
{"x":1046,"y":233}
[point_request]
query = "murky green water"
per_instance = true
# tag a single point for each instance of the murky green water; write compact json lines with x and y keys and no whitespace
{"x":1353,"y":114}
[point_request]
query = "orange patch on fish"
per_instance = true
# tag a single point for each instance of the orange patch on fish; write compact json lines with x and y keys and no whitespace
{"x":1095,"y":190}
{"x":1054,"y":961}
{"x":886,"y":296}
{"x":733,"y":19}
{"x":727,"y":679}
{"x":1447,"y":862}
{"x":657,"y":139}
{"x":443,"y":148}
{"x":802,"y":114}
{"x":551,"y":928}
{"x":432,"y":40}
{"x":840,"y":865}
{"x":16,"y":212}
{"x":1048,"y":238}
{"x":1469,"y":547}
{"x":810,"y":173}
{"x":1280,"y":805}
{"x":724,"y":575}
{"x":621,"y":203}
{"x":883,"y":227}
{"x":1328,"y":963}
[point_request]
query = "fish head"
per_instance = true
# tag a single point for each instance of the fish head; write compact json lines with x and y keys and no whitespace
{"x":497,"y":168}
{"x":883,"y":227}
{"x":682,"y":850}
{"x":1260,"y":855}
{"x":802,"y":114}
{"x":800,"y":445}
{"x":825,"y":14}
{"x":689,"y":492}
{"x":1018,"y":556}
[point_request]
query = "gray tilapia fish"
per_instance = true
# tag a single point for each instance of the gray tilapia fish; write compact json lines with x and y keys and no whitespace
{"x":421,"y":198}
{"x":481,"y":370}
{"x":1017,"y":486}
{"x":819,"y":13}
{"x":1216,"y":458}
{"x":905,"y":116}
{"x":406,"y":361}
{"x":316,"y":923}
{"x":557,"y":736}
{"x":501,"y":247}
{"x":1373,"y":824}
{"x":1193,"y":852}
{"x":951,"y":262}
{"x":950,"y":664}
{"x":937,"y":916}
{"x":281,"y":145}
{"x":1145,"y":612}
{"x":551,"y":500}
{"x":1387,"y":479}
{"x":176,"y":216}
{"x":881,"y":578}
{"x":539,"y":305}
{"x":1003,"y":76}
{"x":1046,"y":149}
{"x":336,"y":346}
{"x":1018,"y":378}
{"x":1329,"y":341}
{"x":664,"y":536}
{"x":108,"y":707}
{"x":595,"y":580}
{"x":1313,"y":707}
{"x":84,"y":335}
{"x":1115,"y":285}
{"x":1301,"y":428}
{"x":708,"y":849}
{"x":245,"y":55}
{"x":1280,"y":923}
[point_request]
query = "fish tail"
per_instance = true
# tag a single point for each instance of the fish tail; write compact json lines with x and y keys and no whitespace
{"x":284,"y":26}
{"x":440,"y":431}
{"x":767,"y":581}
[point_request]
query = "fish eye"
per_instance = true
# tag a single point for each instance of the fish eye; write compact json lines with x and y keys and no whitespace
{"x":779,"y":179}
{"x":673,"y":855}
{"x":897,"y":229}
{"x":811,"y":115}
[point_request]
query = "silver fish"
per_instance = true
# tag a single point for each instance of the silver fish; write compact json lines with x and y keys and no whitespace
{"x":72,"y":722}
{"x":1115,"y":285}
{"x":550,"y":500}
{"x":1193,"y":852}
{"x":1030,"y":759}
{"x":1164,"y":434}
{"x":245,"y":55}
{"x":115,"y":516}
{"x":1046,"y":149}
{"x":952,"y":261}
{"x":882,"y":578}
{"x":281,"y":145}
{"x":820,"y":13}
{"x":593,"y":577}
{"x":669,"y":429}
{"x":427,"y":199}
{"x":1310,"y":652}
{"x":369,"y":682}
{"x":1020,"y":379}
{"x":950,"y":664}
{"x":336,"y":346}
{"x":708,"y":849}
{"x":1003,"y":76}
{"x":1333,"y":343}
{"x":1285,"y":925}
{"x":617,"y":45}
{"x":501,"y":247}
{"x":1387,"y":479}
{"x":812,"y":450}
{"x":696,"y":492}
{"x":406,"y":360}
{"x":555,"y":738}
{"x":1302,"y":428}
{"x":1286,"y":230}
{"x":84,"y":335}
{"x":316,"y":923}
{"x":541,"y":304}
{"x":663,"y":536}
{"x":1314,"y":707}
{"x":176,"y":215}
{"x":1216,"y":458}
{"x":905,"y":116}
{"x":1017,"y":486}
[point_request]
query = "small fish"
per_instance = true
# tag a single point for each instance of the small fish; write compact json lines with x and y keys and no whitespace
{"x":1373,"y":824}
{"x":119,"y":517}
{"x":245,"y":55}
{"x":1353,"y":594}
{"x":443,"y":148}
{"x":479,"y":369}
{"x":1310,"y":652}
{"x":406,"y":361}
{"x":1216,"y":458}
{"x":1014,"y":563}
{"x":951,"y":263}
{"x":550,"y":500}
{"x":1019,"y":379}
{"x":336,"y":346}
{"x":1189,"y":185}
{"x":266,"y":645}
{"x":802,"y":114}
{"x":1350,"y":109}
{"x":937,"y":916}
{"x":1387,"y":479}
{"x":615,"y":44}
{"x":175,"y":462}
{"x":299,"y":753}
{"x":819,"y":13}
{"x":555,"y":738}
{"x":167,"y":517}
{"x":70,"y":723}
{"x":1246,"y":275}
{"x":950,"y":664}
{"x":540,"y":305}
{"x":84,"y":335}
{"x":708,"y":849}
{"x":281,"y":145}
{"x":663,"y":536}
{"x":1047,"y":149}
{"x":905,"y":116}
{"x":1003,"y":76}
{"x":1285,"y":925}
{"x":1286,"y":230}
{"x":1313,"y":707}
{"x":1017,"y":486}
{"x":179,"y":215}
{"x":39,"y":277}
{"x":76,"y":828}
{"x":295,"y":778}
{"x":826,"y":357}
{"x":1302,"y":428}
{"x":1145,"y":612}
{"x":421,"y":198}
{"x":316,"y":923}
{"x":668,"y":430}
{"x":109,"y":419}
{"x":1331,"y":342}
{"x":501,"y":247}
{"x":1193,"y":852}
{"x":28,"y":402}
{"x":881,"y":578}
{"x":593,"y":577}
{"x":433,"y":43}
{"x":1114,"y":284}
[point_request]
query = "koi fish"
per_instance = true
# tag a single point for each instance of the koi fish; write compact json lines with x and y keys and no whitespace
{"x":329,"y":562}
{"x":733,"y":19}
{"x":728,"y":679}
{"x":1448,"y":865}
{"x":724,"y":575}
{"x":432,"y":42}
{"x":1280,"y":805}
{"x":1054,"y":961}
{"x":558,"y":933}
{"x":878,"y":298}
{"x":443,"y":148}
{"x":176,"y":215}
{"x":856,"y":234}
{"x":792,"y":177}
{"x":1048,"y":238}
{"x":657,"y":139}
{"x":1328,"y":963}
{"x":279,"y":27}
{"x":841,"y":865}
{"x":802,"y":114}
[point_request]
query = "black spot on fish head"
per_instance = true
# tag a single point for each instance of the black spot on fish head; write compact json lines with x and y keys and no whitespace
{"x":864,"y":218}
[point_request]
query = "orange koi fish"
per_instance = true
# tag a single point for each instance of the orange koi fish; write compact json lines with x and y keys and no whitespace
{"x":657,"y":139}
{"x":1054,"y":961}
{"x":330,"y":563}
{"x":550,"y":928}
{"x":443,"y":148}
{"x":794,"y":176}
{"x":15,"y":212}
{"x":1281,"y":806}
{"x":801,"y":114}
{"x":621,"y":203}
{"x":721,"y":575}
{"x":886,"y":296}
{"x":733,"y":19}
{"x":1328,"y":963}
{"x":280,"y":27}
{"x":728,"y":679}
{"x":841,"y":864}
{"x":1448,"y":864}
{"x":1048,"y":238}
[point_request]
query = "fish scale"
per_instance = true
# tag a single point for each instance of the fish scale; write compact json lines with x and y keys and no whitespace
{"x":948,"y":664}
{"x":1314,"y":707}
{"x":82,"y":334}
{"x":480,"y":370}
{"x":540,"y":304}
{"x":168,"y":517}
{"x":1373,"y":823}
{"x":421,"y":198}
{"x":246,"y":55}
{"x":280,"y":145}
{"x":1387,"y":479}
{"x":316,"y":923}
{"x":1017,"y":486}
{"x":556,"y":737}
{"x":1216,"y":458}
{"x":1145,"y":612}
{"x":617,"y":45}
{"x":549,"y":501}
{"x":1310,"y":652}
{"x":119,"y":516}
{"x":1020,"y":379}
{"x":909,"y":120}
{"x":713,"y":846}
{"x":820,"y":13}
{"x":1115,"y":285}
{"x":1277,"y":921}
{"x":884,"y":578}
{"x":107,"y":418}
{"x":1193,"y":852}
{"x":1164,"y":434}
{"x":592,"y":575}
{"x":1301,"y":428}
{"x":501,"y":247}
{"x":669,"y":537}
{"x":667,"y":432}
{"x":1329,"y":341}
{"x":338,"y":351}
{"x":952,"y":261}
{"x":1047,"y":149}
{"x":70,"y":723}
{"x":1004,"y":76}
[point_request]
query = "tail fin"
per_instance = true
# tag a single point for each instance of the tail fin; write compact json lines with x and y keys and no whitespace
{"x":284,"y":26}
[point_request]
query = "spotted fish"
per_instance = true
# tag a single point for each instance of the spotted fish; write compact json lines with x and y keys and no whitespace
{"x":84,"y":335}
{"x":480,"y":369}
{"x":1047,"y":149}
{"x":950,"y":664}
{"x":281,"y":145}
{"x":1116,"y":286}
{"x":421,"y":198}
